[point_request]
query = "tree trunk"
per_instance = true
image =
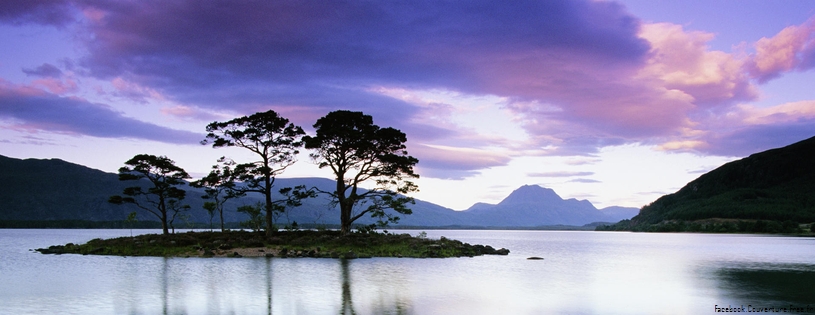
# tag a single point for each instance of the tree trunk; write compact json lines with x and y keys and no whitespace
{"x":268,"y":193}
{"x":221,"y":211}
{"x":164,"y":228}
{"x":345,"y":205}
{"x":269,"y":223}
{"x":345,"y":217}
{"x":162,"y":207}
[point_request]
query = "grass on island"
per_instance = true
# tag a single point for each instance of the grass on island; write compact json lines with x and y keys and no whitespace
{"x":304,"y":243}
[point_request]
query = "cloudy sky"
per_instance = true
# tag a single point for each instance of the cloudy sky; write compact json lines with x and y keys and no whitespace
{"x":616,"y":102}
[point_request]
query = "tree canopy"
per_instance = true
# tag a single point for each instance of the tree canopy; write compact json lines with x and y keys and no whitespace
{"x":163,"y":194}
{"x":356,"y":150}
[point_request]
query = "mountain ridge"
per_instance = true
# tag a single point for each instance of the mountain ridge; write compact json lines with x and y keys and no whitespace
{"x":54,"y":189}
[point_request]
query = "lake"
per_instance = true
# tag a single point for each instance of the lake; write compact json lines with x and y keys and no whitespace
{"x":583,"y":273}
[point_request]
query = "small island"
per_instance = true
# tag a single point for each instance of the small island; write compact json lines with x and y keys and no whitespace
{"x":283,"y":244}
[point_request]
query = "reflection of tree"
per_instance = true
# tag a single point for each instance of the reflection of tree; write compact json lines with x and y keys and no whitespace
{"x":164,"y":286}
{"x":398,"y":306}
{"x":269,"y":285}
{"x":347,"y":302}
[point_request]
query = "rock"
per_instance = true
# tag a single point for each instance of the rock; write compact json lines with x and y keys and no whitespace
{"x":207,"y":253}
{"x":235,"y":254}
{"x":502,"y":251}
{"x":269,"y":255}
{"x":535,"y":258}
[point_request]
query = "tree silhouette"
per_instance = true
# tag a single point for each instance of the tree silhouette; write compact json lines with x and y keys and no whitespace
{"x":356,"y":151}
{"x":162,"y":195}
{"x":220,"y":186}
{"x":274,"y":141}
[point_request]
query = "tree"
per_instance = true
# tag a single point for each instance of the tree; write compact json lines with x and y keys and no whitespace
{"x":176,"y":208}
{"x":356,"y":150}
{"x":211,"y":208}
{"x":162,"y":195}
{"x":272,"y":138}
{"x":131,"y":219}
{"x":255,"y":221}
{"x":220,"y":186}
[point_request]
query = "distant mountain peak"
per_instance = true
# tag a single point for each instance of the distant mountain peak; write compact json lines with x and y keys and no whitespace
{"x":527,"y":194}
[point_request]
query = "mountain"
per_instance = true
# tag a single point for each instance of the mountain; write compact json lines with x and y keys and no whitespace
{"x":53,"y":189}
{"x":532,"y":205}
{"x":777,"y":185}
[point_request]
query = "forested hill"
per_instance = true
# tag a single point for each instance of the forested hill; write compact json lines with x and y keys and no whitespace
{"x":32,"y":189}
{"x":774,"y":185}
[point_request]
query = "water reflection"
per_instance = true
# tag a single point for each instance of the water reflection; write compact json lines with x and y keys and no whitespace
{"x":769,"y":284}
{"x":378,"y":285}
{"x":164,"y":285}
{"x":262,"y":286}
{"x":347,"y":301}
{"x":584,"y":273}
{"x":268,"y":272}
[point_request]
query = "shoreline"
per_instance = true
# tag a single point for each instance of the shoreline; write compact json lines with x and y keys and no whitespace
{"x":290,"y":244}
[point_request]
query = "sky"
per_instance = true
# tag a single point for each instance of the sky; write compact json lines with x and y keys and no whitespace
{"x":615,"y":102}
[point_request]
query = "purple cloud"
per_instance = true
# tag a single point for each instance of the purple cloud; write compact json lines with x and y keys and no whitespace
{"x":791,"y":49}
{"x":757,"y":138}
{"x":454,"y":163}
{"x":32,"y":109}
{"x":325,"y":56}
{"x":579,"y":75}
{"x":49,"y":12}
{"x":584,"y":181}
{"x":45,"y":70}
{"x":560,"y":174}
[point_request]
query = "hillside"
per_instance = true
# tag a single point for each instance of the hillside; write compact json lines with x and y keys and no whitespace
{"x":774,"y":185}
{"x":57,"y":190}
{"x":52,"y":189}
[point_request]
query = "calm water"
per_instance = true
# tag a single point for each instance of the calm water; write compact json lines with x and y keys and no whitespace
{"x":583,"y":273}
